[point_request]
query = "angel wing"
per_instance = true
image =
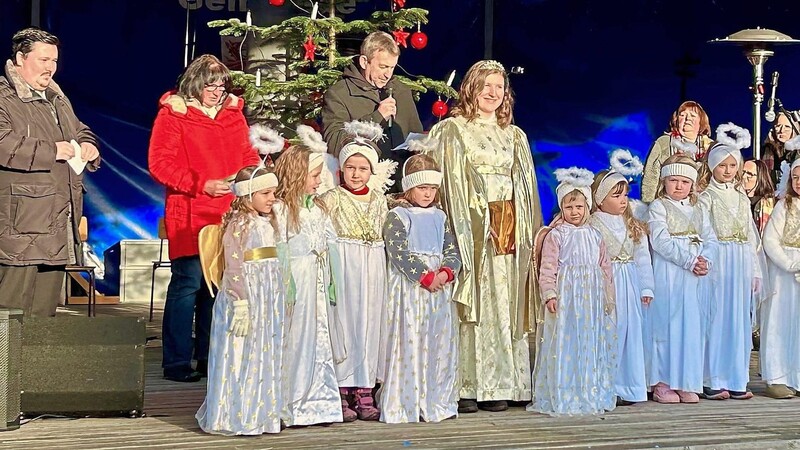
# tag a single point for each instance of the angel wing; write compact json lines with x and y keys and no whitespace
{"x":382,"y":180}
{"x":212,"y":259}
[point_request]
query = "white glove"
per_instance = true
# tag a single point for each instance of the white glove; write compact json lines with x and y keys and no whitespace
{"x":240,"y":325}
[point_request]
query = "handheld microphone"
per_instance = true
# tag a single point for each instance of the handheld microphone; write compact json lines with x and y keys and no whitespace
{"x":390,"y":117}
{"x":770,"y":114}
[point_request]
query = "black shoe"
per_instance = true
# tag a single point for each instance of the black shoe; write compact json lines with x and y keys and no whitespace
{"x":185,"y":377}
{"x":623,"y":402}
{"x":715,"y":394}
{"x":493,"y":405}
{"x":202,"y":368}
{"x":467,"y":406}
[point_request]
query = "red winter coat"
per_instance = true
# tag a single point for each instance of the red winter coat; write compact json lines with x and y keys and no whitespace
{"x":188,"y":148}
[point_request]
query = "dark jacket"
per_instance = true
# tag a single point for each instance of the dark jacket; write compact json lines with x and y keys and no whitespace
{"x":37,"y":194}
{"x":353,"y":98}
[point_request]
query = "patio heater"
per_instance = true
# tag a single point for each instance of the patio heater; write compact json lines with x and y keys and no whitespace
{"x":757,"y":48}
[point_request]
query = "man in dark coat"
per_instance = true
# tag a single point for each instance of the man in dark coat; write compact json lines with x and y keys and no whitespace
{"x":41,"y":195}
{"x":368,"y":91}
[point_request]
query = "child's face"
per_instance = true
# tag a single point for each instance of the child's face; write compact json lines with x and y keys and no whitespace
{"x":677,"y":187}
{"x":616,"y":202}
{"x":574,"y":209}
{"x":725,"y":172}
{"x":424,"y":194}
{"x":356,"y":172}
{"x":263,"y":200}
{"x":313,"y":181}
{"x":796,"y":180}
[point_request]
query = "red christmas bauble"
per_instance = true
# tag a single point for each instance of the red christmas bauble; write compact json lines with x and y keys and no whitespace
{"x":419,"y":40}
{"x":440,"y":108}
{"x":277,"y":2}
{"x":400,"y":3}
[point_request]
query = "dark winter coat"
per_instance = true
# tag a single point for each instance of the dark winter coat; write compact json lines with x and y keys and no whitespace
{"x":37,"y":194}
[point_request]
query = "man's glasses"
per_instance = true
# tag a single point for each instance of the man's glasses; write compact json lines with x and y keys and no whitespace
{"x":215,"y":87}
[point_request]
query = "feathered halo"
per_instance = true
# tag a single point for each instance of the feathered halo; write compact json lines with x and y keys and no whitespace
{"x":783,"y":183}
{"x":364,"y":130}
{"x":792,"y":144}
{"x":382,"y":178}
{"x":575,"y":176}
{"x":624,"y":163}
{"x":687,"y":148}
{"x":311,"y":139}
{"x":423,"y":145}
{"x":266,"y":141}
{"x":740,"y":139}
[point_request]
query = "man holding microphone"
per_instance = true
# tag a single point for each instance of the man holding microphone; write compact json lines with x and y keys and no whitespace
{"x":368,"y":91}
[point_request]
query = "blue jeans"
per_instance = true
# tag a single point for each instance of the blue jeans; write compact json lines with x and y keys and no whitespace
{"x":187,"y":298}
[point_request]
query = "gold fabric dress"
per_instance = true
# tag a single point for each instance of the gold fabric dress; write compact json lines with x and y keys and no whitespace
{"x":489,"y":180}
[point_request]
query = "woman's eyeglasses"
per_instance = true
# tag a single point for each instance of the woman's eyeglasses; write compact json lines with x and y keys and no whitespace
{"x":747,"y":173}
{"x":215,"y":87}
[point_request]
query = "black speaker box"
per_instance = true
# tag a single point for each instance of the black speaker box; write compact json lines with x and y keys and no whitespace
{"x":83,"y":366}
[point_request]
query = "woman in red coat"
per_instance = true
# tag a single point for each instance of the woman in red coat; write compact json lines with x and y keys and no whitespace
{"x":199,"y":141}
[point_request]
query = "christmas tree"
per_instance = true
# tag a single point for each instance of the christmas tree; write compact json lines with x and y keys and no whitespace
{"x":312,"y":61}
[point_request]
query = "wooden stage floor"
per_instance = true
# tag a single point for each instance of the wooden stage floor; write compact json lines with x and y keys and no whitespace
{"x":760,"y":423}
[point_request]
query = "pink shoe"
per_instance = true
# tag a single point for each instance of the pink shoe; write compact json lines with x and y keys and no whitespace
{"x":688,"y":397}
{"x":348,"y":415}
{"x":365,"y":405}
{"x":663,"y":394}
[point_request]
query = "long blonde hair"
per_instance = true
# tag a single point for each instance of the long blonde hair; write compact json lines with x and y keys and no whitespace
{"x":661,"y":190}
{"x":292,"y":171}
{"x":471,"y":88}
{"x":636,"y":228}
{"x":242,"y":205}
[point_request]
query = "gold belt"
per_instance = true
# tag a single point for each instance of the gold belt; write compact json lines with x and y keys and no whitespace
{"x":739,"y":238}
{"x":693,"y":238}
{"x":622,"y":259}
{"x":256,"y":254}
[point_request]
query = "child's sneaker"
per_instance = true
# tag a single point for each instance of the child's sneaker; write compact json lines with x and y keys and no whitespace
{"x":688,"y":397}
{"x":365,"y":405}
{"x":663,"y":394}
{"x":348,"y":415}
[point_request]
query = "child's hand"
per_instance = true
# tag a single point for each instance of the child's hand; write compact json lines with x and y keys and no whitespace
{"x":435,"y":285}
{"x":700,"y":268}
{"x":442,"y":277}
{"x":551,"y":305}
{"x":646,"y":300}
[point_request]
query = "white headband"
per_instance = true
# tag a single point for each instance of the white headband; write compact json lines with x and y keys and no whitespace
{"x":422,"y":177}
{"x":315,"y":160}
{"x":795,"y":164}
{"x":608,"y":182}
{"x":259,"y":183}
{"x":565,"y":188}
{"x":679,"y":170}
{"x":720,"y":152}
{"x":358,"y":148}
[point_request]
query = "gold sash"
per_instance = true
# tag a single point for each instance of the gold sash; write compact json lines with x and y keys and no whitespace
{"x":255,"y":254}
{"x":501,"y":221}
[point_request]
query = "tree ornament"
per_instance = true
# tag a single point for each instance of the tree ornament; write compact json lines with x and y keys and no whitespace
{"x":277,"y":2}
{"x":401,"y":37}
{"x":309,"y":47}
{"x":315,"y":96}
{"x":399,"y":4}
{"x":440,"y":108}
{"x":419,"y":39}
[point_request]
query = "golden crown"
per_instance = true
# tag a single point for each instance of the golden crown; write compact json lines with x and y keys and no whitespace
{"x":492,"y":65}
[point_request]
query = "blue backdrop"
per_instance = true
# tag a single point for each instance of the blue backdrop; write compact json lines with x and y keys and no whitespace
{"x":598,"y":75}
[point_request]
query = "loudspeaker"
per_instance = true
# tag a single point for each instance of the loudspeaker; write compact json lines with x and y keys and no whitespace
{"x":83,"y":366}
{"x":10,"y":364}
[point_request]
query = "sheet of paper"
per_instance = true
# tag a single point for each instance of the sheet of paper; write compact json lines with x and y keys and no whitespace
{"x":76,"y":162}
{"x":411,"y":137}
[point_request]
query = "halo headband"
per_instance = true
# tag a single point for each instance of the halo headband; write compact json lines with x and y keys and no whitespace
{"x":679,"y":170}
{"x":259,"y":183}
{"x":422,"y":177}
